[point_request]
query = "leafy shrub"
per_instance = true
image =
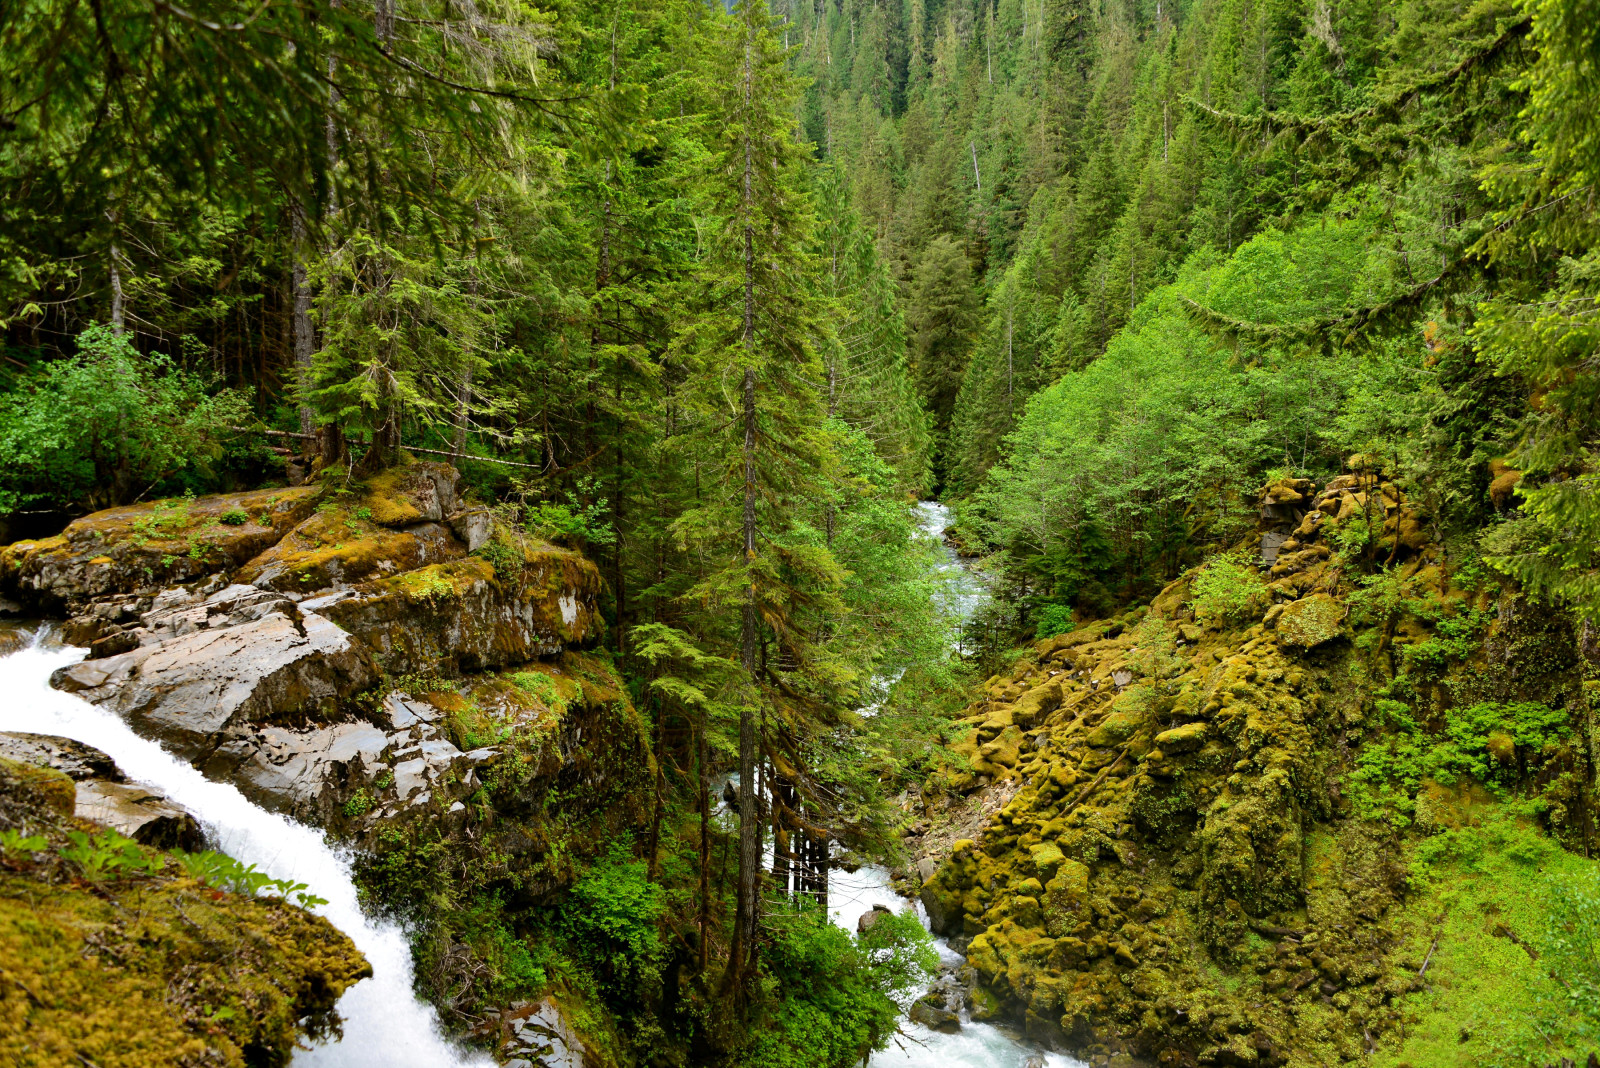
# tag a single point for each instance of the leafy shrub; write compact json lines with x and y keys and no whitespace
{"x":234,"y":517}
{"x":106,"y":425}
{"x":1570,"y":947}
{"x":611,"y":916}
{"x":1053,"y":619}
{"x":13,"y":844}
{"x":222,"y":872}
{"x":359,"y":803}
{"x":107,"y":855}
{"x":1227,"y":589}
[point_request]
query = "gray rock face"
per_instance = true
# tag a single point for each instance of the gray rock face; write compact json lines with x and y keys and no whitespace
{"x":538,"y":1035}
{"x":241,"y":656}
{"x":289,"y":770}
{"x":940,"y":1008}
{"x":105,"y":795}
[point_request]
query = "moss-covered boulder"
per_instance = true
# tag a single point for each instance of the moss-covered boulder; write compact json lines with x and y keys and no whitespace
{"x":1310,"y":621}
{"x":147,"y":546}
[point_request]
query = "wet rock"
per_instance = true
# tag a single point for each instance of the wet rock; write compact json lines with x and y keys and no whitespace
{"x":103,"y":794}
{"x":14,"y":637}
{"x":254,"y":662}
{"x":288,"y":770}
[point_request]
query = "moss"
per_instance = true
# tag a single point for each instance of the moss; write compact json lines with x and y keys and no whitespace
{"x":164,"y":973}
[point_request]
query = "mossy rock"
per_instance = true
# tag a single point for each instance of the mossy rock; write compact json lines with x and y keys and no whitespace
{"x":1036,"y":703}
{"x":1118,"y":727}
{"x":25,"y":788}
{"x":1182,"y":739}
{"x":1311,"y":621}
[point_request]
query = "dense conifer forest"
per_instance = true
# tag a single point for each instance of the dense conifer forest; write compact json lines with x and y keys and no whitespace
{"x":1248,"y":347}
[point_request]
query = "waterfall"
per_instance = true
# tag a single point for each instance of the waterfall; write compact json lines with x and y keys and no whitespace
{"x":384,"y":1022}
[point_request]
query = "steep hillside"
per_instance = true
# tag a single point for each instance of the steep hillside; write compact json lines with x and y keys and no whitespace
{"x":1287,"y":813}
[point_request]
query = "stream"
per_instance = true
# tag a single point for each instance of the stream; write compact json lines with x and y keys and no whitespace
{"x":850,"y":894}
{"x":384,"y":1022}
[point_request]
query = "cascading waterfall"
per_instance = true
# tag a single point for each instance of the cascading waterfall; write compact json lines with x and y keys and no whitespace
{"x":851,"y":894}
{"x":385,"y":1025}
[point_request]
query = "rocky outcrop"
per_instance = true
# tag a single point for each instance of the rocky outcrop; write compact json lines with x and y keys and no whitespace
{"x":144,"y":547}
{"x":1150,"y":803}
{"x":210,"y":666}
{"x":534,"y":1034}
{"x":103,"y":794}
{"x":466,"y":616}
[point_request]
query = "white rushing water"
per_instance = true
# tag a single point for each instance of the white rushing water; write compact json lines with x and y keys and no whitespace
{"x":385,"y":1025}
{"x":851,"y":894}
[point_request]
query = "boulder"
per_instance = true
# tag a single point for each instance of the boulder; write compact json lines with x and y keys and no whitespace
{"x":288,"y":770}
{"x":236,"y":659}
{"x":412,"y":493}
{"x":140,"y":546}
{"x":1310,"y":621}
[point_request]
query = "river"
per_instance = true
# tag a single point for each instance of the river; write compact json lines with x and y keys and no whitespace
{"x":976,"y":1045}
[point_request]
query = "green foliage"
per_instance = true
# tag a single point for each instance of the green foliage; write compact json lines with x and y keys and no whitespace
{"x":14,"y":844}
{"x":1227,"y":589}
{"x":359,"y":803}
{"x":222,"y":872}
{"x":611,"y":916}
{"x":234,"y":517}
{"x":1487,"y":741}
{"x":108,"y":425}
{"x":541,"y":686}
{"x":1570,"y":946}
{"x":1053,"y":619}
{"x":107,"y":855}
{"x":836,"y":997}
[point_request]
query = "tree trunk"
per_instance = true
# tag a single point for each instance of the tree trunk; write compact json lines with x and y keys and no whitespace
{"x":304,"y":339}
{"x":749,"y":842}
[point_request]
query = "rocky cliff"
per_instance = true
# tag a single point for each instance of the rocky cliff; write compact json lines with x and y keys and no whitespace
{"x":382,"y":659}
{"x":1268,"y":818}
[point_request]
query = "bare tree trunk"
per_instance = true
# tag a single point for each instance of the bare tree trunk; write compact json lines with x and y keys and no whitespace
{"x":304,"y":339}
{"x":749,"y":843}
{"x":702,"y":760}
{"x":117,"y":307}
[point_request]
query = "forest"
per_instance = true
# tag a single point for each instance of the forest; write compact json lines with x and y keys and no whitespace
{"x":1247,"y":348}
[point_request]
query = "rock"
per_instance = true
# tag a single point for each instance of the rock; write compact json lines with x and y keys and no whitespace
{"x":191,"y":687}
{"x":474,"y":527}
{"x":288,"y":770}
{"x":121,"y":550}
{"x":869,"y":919}
{"x":1035,"y":704}
{"x":926,"y":868}
{"x":1503,"y":748}
{"x":103,"y":794}
{"x":462,"y":616}
{"x":332,"y":549}
{"x":138,"y":813}
{"x":417,"y":492}
{"x":1046,"y":857}
{"x":14,"y":637}
{"x":1182,"y":739}
{"x":1310,"y":621}
{"x":933,"y":1012}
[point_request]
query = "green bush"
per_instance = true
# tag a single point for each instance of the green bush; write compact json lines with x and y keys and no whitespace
{"x":611,"y":916}
{"x":234,"y":517}
{"x":1053,"y":619}
{"x":107,"y":425}
{"x":1227,"y":589}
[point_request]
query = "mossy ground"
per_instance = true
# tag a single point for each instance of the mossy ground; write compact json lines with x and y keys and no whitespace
{"x":147,"y":969}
